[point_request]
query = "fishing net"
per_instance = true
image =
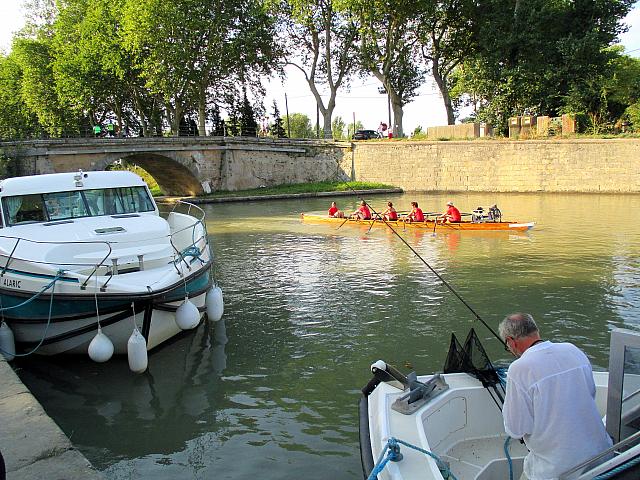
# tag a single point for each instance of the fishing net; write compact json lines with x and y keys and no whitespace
{"x":472,"y":358}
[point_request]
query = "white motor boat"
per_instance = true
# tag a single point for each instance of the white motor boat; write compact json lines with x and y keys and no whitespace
{"x":78,"y":249}
{"x":450,"y":425}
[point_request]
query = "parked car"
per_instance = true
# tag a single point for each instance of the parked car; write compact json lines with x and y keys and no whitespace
{"x":365,"y":135}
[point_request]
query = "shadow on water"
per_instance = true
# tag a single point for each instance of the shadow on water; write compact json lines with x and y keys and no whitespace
{"x":271,"y":390}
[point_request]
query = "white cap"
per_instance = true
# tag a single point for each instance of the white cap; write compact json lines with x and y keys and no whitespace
{"x":450,"y":204}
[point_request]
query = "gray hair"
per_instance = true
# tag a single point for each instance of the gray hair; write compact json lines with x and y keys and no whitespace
{"x":517,"y":325}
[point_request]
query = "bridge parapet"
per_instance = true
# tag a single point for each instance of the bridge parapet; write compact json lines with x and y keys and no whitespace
{"x":190,"y":165}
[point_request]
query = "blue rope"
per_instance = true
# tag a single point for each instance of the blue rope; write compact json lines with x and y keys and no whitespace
{"x":618,"y":469}
{"x":506,"y":452}
{"x":393,"y":447}
{"x":502,"y":375}
{"x":46,"y":329}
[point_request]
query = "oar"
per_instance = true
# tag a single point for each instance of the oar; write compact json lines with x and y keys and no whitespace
{"x":435,"y":223}
{"x":373,"y":219}
{"x":345,"y":221}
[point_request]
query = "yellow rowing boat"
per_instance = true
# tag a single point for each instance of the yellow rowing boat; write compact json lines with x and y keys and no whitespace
{"x":427,"y":224}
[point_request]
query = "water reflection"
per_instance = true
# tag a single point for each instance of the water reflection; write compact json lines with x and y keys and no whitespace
{"x":271,"y":390}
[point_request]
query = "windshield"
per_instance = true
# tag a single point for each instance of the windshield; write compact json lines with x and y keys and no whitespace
{"x":75,"y":204}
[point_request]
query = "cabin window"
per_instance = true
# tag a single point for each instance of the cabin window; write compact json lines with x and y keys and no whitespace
{"x":115,"y":201}
{"x":76,"y":203}
{"x":65,"y":205}
{"x":24,"y":209}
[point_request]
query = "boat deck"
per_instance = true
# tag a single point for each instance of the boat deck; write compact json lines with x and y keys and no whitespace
{"x":484,"y":458}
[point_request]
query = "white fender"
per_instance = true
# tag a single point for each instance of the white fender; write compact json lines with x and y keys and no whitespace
{"x":187,"y":315}
{"x":137,"y":352}
{"x":7,"y":342}
{"x":215,"y":304}
{"x":101,"y":348}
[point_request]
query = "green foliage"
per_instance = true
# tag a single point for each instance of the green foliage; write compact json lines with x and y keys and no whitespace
{"x":248,"y":124}
{"x":338,"y":128}
{"x":351,"y":129}
{"x":297,"y":188}
{"x":16,"y":119}
{"x":300,"y":126}
{"x":276,"y":129}
{"x":9,"y":166}
{"x":632,"y":117}
{"x":539,"y":57}
{"x":141,"y":172}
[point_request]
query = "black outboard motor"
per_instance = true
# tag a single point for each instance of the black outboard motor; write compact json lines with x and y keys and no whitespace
{"x":495,"y":215}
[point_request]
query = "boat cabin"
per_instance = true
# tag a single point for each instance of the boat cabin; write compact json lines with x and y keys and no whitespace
{"x":66,"y":196}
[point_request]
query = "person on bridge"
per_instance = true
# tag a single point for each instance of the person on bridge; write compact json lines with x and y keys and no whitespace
{"x":452,"y":214}
{"x":363,"y":212}
{"x":415,"y":215}
{"x":334,"y":212}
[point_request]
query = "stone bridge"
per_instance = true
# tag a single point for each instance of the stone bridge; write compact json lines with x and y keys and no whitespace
{"x":191,"y":165}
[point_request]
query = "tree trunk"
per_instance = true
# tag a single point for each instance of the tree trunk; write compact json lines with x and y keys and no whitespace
{"x":202,"y":113}
{"x":444,"y":91}
{"x":396,"y":107}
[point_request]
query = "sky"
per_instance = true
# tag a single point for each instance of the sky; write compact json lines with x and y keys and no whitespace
{"x":361,"y":101}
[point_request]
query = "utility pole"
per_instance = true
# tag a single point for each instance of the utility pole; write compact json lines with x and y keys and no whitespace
{"x":286,"y":106}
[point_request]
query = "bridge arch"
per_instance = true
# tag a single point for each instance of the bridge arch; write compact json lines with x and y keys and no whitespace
{"x":173,"y":177}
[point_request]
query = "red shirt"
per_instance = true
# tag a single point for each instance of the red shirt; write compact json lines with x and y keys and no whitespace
{"x":393,"y":215}
{"x":418,"y":216}
{"x":332,"y":211}
{"x":365,"y":211}
{"x":454,"y":214}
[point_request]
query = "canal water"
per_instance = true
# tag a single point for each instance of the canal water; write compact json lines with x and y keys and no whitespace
{"x":271,"y":390}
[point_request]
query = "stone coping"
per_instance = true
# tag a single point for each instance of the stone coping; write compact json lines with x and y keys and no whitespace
{"x":281,"y":196}
{"x":32,"y":444}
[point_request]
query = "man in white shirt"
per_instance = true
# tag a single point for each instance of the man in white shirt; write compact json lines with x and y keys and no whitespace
{"x":550,"y":401}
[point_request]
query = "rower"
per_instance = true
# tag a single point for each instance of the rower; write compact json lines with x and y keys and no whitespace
{"x":452,"y":214}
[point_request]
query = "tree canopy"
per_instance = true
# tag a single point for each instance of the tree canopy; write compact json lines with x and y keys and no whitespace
{"x":151,"y":66}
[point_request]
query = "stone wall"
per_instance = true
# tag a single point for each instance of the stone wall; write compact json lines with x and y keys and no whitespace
{"x":500,"y":166}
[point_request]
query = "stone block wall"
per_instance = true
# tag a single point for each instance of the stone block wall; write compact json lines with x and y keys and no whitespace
{"x":606,"y":165}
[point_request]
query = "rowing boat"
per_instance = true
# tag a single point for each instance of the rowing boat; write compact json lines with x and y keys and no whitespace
{"x":427,"y":224}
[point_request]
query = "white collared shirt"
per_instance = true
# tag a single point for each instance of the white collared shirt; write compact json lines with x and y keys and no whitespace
{"x":550,"y":402}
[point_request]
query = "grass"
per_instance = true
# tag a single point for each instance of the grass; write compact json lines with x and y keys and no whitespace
{"x":313,"y":187}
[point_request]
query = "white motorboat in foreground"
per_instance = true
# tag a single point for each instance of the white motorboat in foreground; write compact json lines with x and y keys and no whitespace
{"x":88,"y":249}
{"x":450,"y":425}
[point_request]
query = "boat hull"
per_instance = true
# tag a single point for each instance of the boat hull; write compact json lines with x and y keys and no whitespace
{"x":426,"y":225}
{"x":73,"y":322}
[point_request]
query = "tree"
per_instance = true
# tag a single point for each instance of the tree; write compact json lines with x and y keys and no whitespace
{"x":351,"y":129}
{"x":540,"y":57}
{"x":444,"y":35}
{"x":248,"y":124}
{"x":186,"y":48}
{"x":321,"y":44}
{"x":387,"y":49}
{"x":16,"y":119}
{"x":276,"y":129}
{"x":338,"y":128}
{"x":217,"y":125}
{"x":300,"y":126}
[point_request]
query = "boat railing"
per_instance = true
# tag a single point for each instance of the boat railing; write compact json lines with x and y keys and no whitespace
{"x":199,"y":214}
{"x":11,"y":257}
{"x":179,"y":205}
{"x":589,"y":465}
